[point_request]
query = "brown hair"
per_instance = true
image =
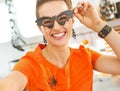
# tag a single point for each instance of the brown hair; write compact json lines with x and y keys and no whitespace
{"x":41,"y":2}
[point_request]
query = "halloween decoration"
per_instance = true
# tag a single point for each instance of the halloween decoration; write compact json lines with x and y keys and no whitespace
{"x":107,"y":9}
{"x":16,"y":37}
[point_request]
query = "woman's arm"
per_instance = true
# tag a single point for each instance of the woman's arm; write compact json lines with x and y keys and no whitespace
{"x":15,"y":81}
{"x":88,"y":16}
{"x":110,"y":64}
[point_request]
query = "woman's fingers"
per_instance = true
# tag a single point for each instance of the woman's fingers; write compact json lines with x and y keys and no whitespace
{"x":84,"y":11}
{"x":82,"y":8}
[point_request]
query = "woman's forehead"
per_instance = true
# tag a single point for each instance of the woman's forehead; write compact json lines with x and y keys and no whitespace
{"x":52,"y":8}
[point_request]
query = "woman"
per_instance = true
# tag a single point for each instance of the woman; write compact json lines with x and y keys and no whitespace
{"x":55,"y":66}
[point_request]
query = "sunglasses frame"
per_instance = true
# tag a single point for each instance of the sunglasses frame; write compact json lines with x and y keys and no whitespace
{"x":69,"y":13}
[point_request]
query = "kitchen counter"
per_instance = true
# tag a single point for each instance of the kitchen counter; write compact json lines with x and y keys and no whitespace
{"x":107,"y":83}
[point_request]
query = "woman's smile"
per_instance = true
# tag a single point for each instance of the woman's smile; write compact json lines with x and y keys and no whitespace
{"x":59,"y":35}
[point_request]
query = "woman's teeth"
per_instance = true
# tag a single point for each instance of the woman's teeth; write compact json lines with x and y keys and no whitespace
{"x":59,"y":35}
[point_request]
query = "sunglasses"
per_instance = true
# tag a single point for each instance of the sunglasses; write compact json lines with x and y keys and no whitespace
{"x":60,"y":18}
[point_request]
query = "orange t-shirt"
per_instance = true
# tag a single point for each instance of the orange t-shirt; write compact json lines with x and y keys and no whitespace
{"x":44,"y":76}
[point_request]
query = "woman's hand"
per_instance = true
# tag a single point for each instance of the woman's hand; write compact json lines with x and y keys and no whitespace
{"x":88,"y":16}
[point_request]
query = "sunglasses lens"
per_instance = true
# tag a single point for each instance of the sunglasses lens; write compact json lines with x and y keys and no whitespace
{"x":47,"y":22}
{"x":62,"y":19}
{"x":64,"y":16}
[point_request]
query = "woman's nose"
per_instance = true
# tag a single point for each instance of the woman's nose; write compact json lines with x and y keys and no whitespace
{"x":56,"y":26}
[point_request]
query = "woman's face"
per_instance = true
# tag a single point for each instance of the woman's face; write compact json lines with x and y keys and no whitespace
{"x":59,"y":33}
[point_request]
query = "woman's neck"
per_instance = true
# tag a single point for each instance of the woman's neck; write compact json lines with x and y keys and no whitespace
{"x":57,"y":55}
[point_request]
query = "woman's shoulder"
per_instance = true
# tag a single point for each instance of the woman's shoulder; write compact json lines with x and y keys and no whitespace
{"x":79,"y":48}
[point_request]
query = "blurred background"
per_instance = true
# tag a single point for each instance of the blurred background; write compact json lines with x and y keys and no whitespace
{"x":19,"y":34}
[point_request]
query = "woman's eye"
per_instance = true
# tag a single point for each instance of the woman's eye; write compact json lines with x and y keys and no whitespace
{"x":47,"y":22}
{"x":63,"y":18}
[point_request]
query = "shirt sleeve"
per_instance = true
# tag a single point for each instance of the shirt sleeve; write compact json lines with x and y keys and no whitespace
{"x":25,"y":66}
{"x":93,"y":55}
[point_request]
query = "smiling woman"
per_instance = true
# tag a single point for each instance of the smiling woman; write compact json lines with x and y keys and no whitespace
{"x":55,"y":66}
